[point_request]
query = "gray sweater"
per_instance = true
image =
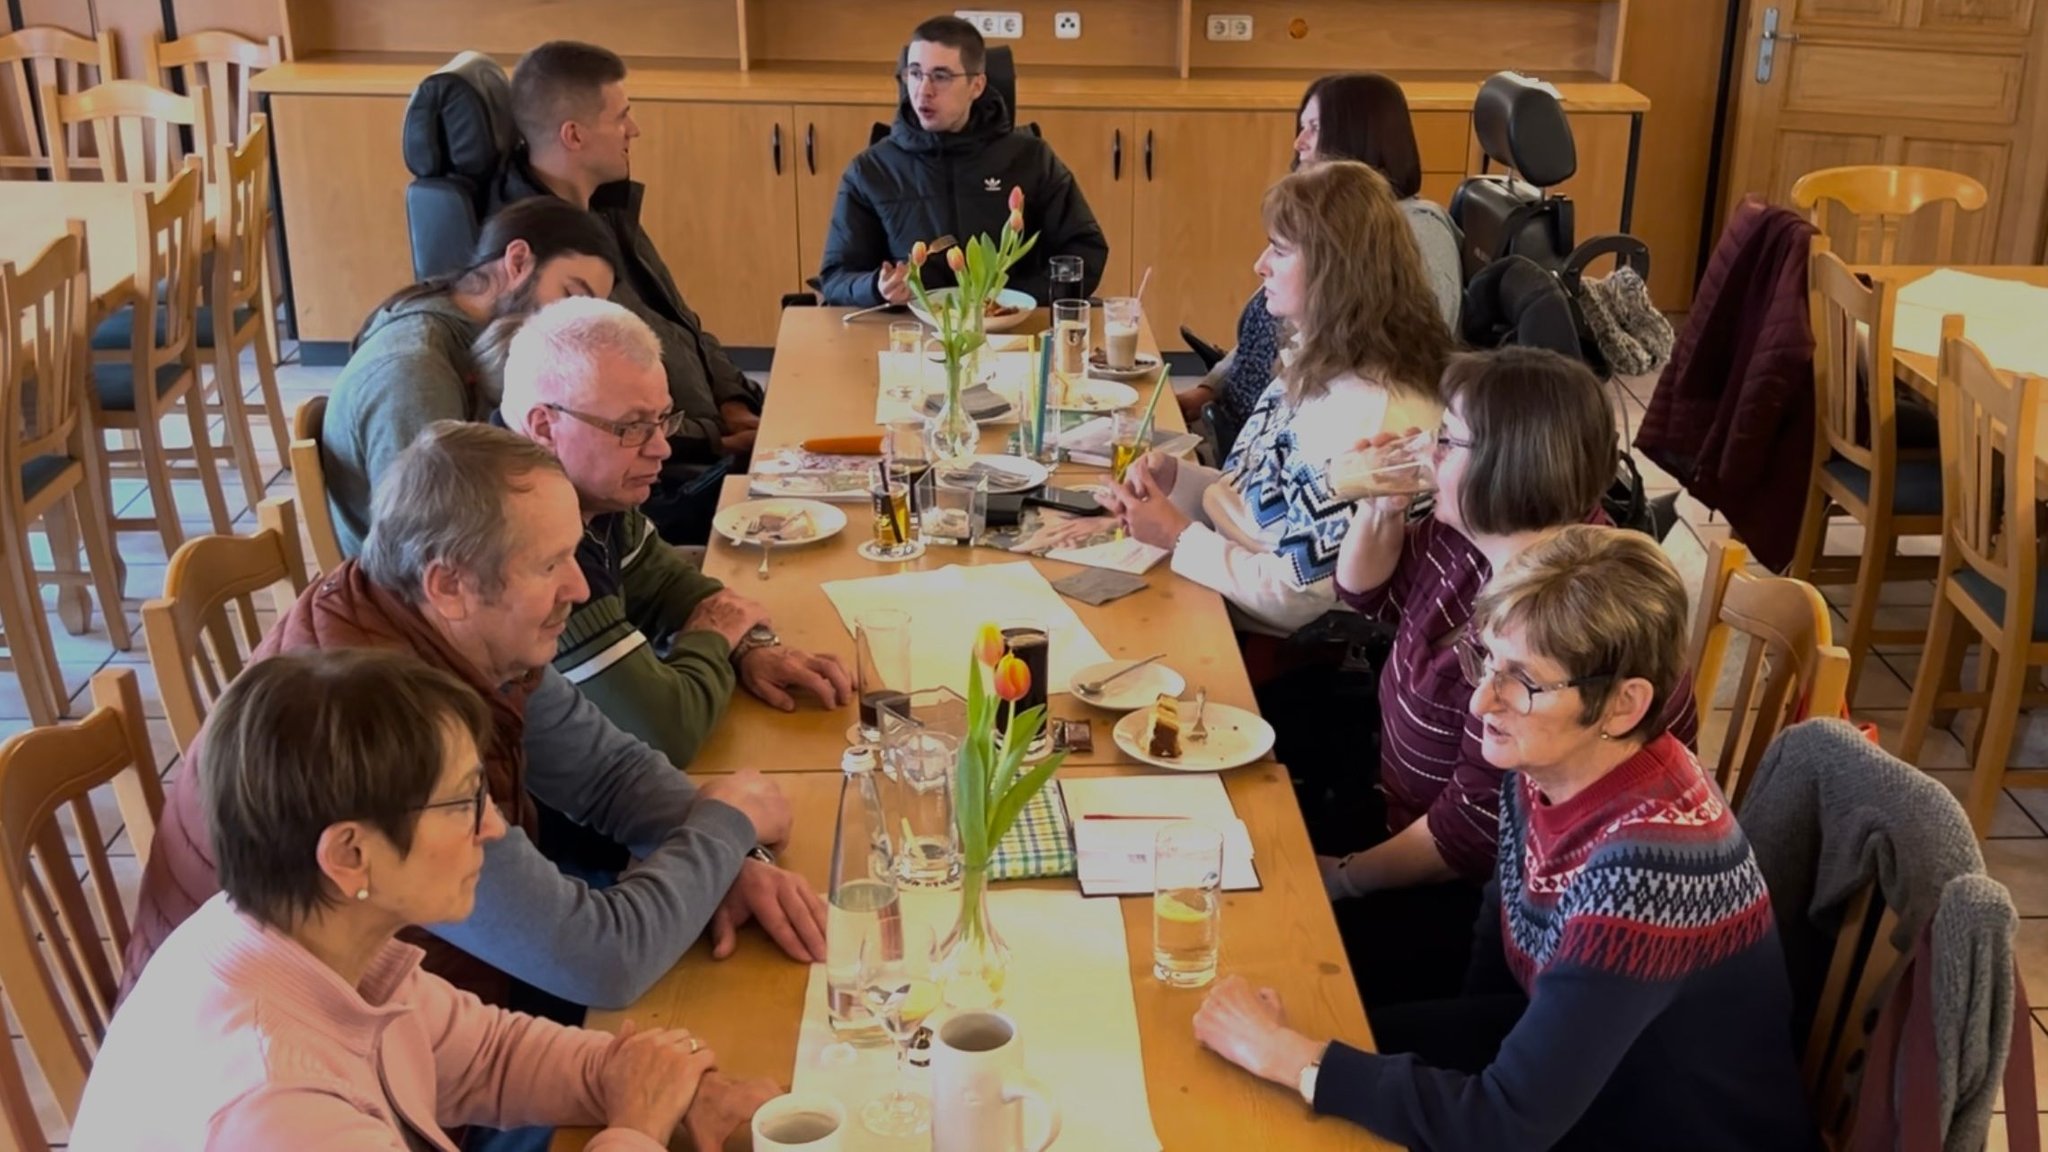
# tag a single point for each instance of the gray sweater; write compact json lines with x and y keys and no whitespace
{"x":1439,"y":241}
{"x":411,"y":367}
{"x":604,"y":948}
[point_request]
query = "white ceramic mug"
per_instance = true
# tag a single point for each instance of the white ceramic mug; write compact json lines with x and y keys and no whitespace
{"x":980,"y":1089}
{"x":800,"y":1122}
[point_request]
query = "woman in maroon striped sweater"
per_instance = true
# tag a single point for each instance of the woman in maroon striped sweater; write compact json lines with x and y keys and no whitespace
{"x":1527,"y":447}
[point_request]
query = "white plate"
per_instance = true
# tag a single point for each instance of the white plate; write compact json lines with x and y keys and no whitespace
{"x":1138,"y":690}
{"x":731,"y":522}
{"x":1030,"y":473}
{"x":1146,"y":367}
{"x":1236,"y":738}
{"x":1021,"y":301}
{"x":1098,"y":396}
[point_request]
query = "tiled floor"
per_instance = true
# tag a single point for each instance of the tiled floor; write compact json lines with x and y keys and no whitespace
{"x":2017,"y":852}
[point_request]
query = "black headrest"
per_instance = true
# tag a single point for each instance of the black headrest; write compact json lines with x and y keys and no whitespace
{"x":1520,"y":123}
{"x":1000,"y":66}
{"x":1514,"y":300}
{"x":459,"y":120}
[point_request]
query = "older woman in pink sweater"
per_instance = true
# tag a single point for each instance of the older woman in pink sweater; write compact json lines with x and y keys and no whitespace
{"x":346,"y":803}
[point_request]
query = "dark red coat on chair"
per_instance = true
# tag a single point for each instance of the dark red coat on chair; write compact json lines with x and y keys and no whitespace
{"x":1732,"y":416}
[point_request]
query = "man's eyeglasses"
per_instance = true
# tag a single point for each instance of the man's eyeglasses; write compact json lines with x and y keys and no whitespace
{"x":474,"y":803}
{"x":941,"y":78}
{"x":631,"y":433}
{"x":1515,"y":690}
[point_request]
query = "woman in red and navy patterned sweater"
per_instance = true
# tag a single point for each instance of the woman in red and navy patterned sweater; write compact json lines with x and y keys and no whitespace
{"x":1629,"y":990}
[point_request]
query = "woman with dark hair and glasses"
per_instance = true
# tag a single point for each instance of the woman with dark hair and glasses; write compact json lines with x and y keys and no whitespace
{"x":346,"y":802}
{"x":433,"y":351}
{"x":1628,"y":989}
{"x":1527,"y":447}
{"x":1359,"y":116}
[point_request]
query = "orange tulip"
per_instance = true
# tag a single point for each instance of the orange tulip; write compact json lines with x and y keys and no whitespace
{"x":1016,"y":223}
{"x":956,"y":259}
{"x":1013,"y":679}
{"x":918,"y":252}
{"x":1016,"y":199}
{"x":988,"y":645}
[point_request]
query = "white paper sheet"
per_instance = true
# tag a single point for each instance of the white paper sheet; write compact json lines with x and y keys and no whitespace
{"x":948,"y":605}
{"x":2007,"y":319}
{"x":1070,"y":994}
{"x":1005,"y":372}
{"x":1114,"y":857}
{"x":1127,"y":555}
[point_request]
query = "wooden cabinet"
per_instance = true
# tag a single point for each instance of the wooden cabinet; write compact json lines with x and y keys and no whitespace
{"x":1100,"y":149}
{"x":829,"y":136}
{"x":721,"y":209}
{"x":1195,"y":213}
{"x":349,"y":246}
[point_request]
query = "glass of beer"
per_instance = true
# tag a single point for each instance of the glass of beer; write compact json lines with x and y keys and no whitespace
{"x":1187,"y":904}
{"x":1066,"y":281}
{"x":1124,"y":446}
{"x":1120,"y":315}
{"x":1070,"y":339}
{"x":1030,"y":642}
{"x":895,"y":535}
{"x":906,"y":342}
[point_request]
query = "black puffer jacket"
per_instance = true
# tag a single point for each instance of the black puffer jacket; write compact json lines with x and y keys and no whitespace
{"x":918,"y":185}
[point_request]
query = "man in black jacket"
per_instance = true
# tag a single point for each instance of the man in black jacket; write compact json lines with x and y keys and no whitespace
{"x":946,"y":169}
{"x":576,"y":125}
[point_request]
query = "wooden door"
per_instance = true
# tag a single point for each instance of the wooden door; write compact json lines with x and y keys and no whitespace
{"x":829,"y":136}
{"x":721,"y":208}
{"x":1942,"y":83}
{"x":1195,"y":215}
{"x":1100,"y":149}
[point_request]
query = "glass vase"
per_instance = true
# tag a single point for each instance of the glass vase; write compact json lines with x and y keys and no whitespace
{"x":950,"y":432}
{"x":974,"y":962}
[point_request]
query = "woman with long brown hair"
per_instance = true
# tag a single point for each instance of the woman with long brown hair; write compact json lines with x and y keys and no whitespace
{"x":1363,"y":346}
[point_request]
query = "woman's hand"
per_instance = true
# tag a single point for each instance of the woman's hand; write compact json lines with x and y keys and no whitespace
{"x":1164,"y":471}
{"x":650,"y":1079}
{"x":1386,"y":507}
{"x":1247,"y":1027}
{"x":1145,"y":511}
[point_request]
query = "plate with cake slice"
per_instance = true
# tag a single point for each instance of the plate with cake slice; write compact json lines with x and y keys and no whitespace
{"x":1157,"y":735}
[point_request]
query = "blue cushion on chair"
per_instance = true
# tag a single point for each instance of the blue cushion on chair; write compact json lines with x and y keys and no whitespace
{"x":115,"y":384}
{"x":37,"y":474}
{"x":116,"y":332}
{"x":1992,"y":598}
{"x":1917,"y":491}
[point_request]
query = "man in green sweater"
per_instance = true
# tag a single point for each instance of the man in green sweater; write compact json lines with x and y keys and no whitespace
{"x":658,"y":645}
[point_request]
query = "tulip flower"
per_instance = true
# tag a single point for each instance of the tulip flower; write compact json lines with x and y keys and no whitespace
{"x":988,"y":645}
{"x":956,"y":259}
{"x":918,"y":252}
{"x":1016,"y":200}
{"x":1013,"y":679}
{"x":1016,"y":223}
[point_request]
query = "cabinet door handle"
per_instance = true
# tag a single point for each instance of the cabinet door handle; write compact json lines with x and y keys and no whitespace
{"x":775,"y":147}
{"x":811,"y":148}
{"x":1116,"y":156}
{"x":1148,"y":154}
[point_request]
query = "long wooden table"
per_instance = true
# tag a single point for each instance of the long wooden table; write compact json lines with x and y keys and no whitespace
{"x":1917,"y":370}
{"x":33,"y":215}
{"x":1283,"y":935}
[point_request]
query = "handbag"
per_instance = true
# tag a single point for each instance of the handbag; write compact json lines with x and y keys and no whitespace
{"x":1629,"y":506}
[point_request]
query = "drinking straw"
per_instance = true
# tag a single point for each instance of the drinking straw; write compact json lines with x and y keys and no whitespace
{"x":1044,"y":347}
{"x":1145,"y":425}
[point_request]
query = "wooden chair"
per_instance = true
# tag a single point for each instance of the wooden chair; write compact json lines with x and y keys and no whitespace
{"x":62,"y":987}
{"x":1881,"y":197}
{"x":166,"y":355}
{"x":49,"y":470}
{"x":1790,"y":669}
{"x":35,"y":59}
{"x":196,"y":646}
{"x":1990,"y":565}
{"x":1857,"y":466}
{"x":1859,"y":978}
{"x":309,"y":481}
{"x":221,"y":64}
{"x":131,"y":123}
{"x":238,"y":298}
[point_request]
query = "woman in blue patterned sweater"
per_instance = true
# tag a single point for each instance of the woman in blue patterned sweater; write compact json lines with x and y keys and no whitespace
{"x":1628,"y":989}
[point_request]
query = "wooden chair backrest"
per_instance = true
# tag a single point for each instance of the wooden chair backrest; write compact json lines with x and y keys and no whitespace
{"x":1858,"y":980}
{"x":42,"y":342}
{"x":1790,"y":670}
{"x":309,"y":482}
{"x":131,"y":123}
{"x":169,"y":223}
{"x":36,"y":59}
{"x":1984,"y":410}
{"x":221,"y":64}
{"x":242,"y":223}
{"x":1881,"y":197}
{"x":1846,"y":314}
{"x":197,"y":646}
{"x":62,"y":987}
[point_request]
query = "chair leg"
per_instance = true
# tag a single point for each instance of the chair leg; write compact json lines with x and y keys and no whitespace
{"x":227,"y":385}
{"x":1959,"y":641}
{"x":99,"y":557}
{"x":28,"y":641}
{"x":1813,"y":527}
{"x":1988,"y":661}
{"x":1863,"y":606}
{"x":1934,"y":675}
{"x":74,"y":603}
{"x":204,"y":460}
{"x":156,"y":473}
{"x":273,"y":402}
{"x":2001,"y":717}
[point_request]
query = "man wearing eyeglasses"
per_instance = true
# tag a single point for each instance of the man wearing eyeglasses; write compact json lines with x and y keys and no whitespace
{"x":947,"y":168}
{"x":657,"y":644}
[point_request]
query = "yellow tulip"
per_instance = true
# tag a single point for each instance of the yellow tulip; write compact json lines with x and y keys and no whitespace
{"x":988,"y":645}
{"x":956,"y":259}
{"x":918,"y":252}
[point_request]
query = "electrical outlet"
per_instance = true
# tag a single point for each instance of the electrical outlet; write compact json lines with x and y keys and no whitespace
{"x":995,"y":25}
{"x":1229,"y":27}
{"x":1240,"y":27}
{"x":1066,"y":25}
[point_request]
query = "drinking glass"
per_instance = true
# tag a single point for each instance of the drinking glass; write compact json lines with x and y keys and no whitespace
{"x":917,"y":797}
{"x":903,"y":445}
{"x":1187,"y":906}
{"x":952,"y":510}
{"x":1070,"y":339}
{"x":881,"y":664}
{"x":1124,"y":447}
{"x":1403,"y":467}
{"x":1120,"y":316}
{"x":1066,"y":278}
{"x":902,"y":990}
{"x":889,"y":489}
{"x":863,"y":915}
{"x":1030,"y":642}
{"x":906,"y":341}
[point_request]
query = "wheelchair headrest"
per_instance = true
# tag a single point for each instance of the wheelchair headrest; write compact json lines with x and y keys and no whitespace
{"x":1520,"y":123}
{"x":999,"y":65}
{"x":459,"y":120}
{"x":1514,"y":300}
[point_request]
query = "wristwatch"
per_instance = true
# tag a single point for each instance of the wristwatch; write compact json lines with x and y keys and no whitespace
{"x":1306,"y":1085}
{"x":757,"y":852}
{"x":759,"y":636}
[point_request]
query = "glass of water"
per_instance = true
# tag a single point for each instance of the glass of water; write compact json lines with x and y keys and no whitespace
{"x":918,"y":799}
{"x":1187,"y":904}
{"x":906,"y":346}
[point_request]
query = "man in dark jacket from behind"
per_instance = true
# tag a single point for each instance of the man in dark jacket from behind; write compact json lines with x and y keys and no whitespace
{"x":576,"y":127}
{"x":946,"y":169}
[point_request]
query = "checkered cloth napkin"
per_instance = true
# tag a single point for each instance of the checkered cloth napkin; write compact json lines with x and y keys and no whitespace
{"x":1040,"y":843}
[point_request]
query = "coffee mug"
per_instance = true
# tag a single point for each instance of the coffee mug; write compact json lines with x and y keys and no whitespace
{"x":980,"y":1089}
{"x":800,"y":1122}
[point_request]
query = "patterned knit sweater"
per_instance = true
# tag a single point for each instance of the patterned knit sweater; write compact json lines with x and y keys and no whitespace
{"x":1634,"y":918}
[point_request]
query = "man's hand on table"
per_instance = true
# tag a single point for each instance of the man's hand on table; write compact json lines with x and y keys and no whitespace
{"x":775,"y":673}
{"x":724,"y":1107}
{"x":757,"y":798}
{"x":787,"y":908}
{"x":727,"y":613}
{"x":738,"y":417}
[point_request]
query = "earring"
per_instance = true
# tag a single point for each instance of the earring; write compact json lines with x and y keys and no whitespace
{"x":363,"y":893}
{"x":1603,"y":736}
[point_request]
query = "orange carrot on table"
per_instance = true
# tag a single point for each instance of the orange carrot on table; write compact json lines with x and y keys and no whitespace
{"x":844,"y":445}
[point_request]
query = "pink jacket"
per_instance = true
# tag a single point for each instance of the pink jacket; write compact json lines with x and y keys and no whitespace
{"x":238,"y":1038}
